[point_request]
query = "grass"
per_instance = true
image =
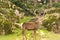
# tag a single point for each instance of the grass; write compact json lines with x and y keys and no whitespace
{"x":13,"y":36}
{"x":41,"y":35}
{"x":8,"y":37}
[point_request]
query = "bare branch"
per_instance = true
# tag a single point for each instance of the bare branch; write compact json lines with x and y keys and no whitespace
{"x":20,"y":25}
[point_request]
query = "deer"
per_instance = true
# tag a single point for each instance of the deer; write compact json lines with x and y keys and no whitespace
{"x":32,"y":25}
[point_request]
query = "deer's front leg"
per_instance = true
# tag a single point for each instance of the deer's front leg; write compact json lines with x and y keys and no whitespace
{"x":34,"y":34}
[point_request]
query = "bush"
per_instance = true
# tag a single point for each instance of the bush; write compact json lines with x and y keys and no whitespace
{"x":53,"y":10}
{"x":56,"y":4}
{"x":51,"y":23}
{"x":7,"y":19}
{"x":5,"y":26}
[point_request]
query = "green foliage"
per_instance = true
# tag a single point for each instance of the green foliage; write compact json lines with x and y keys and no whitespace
{"x":53,"y":10}
{"x":51,"y":23}
{"x":6,"y":20}
{"x":7,"y":27}
{"x":25,"y":19}
{"x":4,"y":4}
{"x":7,"y":17}
{"x":56,"y":4}
{"x":28,"y":6}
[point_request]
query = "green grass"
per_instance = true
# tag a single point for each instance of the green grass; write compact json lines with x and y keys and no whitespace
{"x":41,"y":34}
{"x":13,"y":36}
{"x":8,"y":37}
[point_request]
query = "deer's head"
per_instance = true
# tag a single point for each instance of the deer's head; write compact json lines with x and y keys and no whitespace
{"x":38,"y":18}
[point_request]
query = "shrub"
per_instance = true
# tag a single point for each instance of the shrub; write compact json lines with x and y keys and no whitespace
{"x":51,"y":23}
{"x":5,"y":26}
{"x":53,"y":10}
{"x":56,"y":4}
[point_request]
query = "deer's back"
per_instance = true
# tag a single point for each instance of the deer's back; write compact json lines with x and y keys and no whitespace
{"x":30,"y":26}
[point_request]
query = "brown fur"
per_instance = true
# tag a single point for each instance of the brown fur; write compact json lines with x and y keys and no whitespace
{"x":30,"y":26}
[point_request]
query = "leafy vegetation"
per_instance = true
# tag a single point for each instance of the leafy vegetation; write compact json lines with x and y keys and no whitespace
{"x":56,"y":4}
{"x":27,"y":7}
{"x":51,"y":22}
{"x":25,"y":19}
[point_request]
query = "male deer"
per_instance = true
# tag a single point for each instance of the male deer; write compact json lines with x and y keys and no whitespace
{"x":33,"y":25}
